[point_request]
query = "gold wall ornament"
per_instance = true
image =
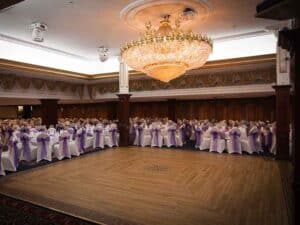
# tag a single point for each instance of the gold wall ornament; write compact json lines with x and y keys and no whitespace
{"x":73,"y":88}
{"x":92,"y":91}
{"x":51,"y":85}
{"x":7,"y":82}
{"x":38,"y":83}
{"x":23,"y":82}
{"x":261,"y":76}
{"x":10,"y":81}
{"x":62,"y":86}
{"x":80,"y":91}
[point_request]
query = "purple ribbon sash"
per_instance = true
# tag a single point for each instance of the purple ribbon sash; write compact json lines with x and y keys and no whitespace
{"x":81,"y":144}
{"x":172,"y":133}
{"x":182,"y":133}
{"x":98,"y":133}
{"x":156,"y":132}
{"x":234,"y":136}
{"x":65,"y":145}
{"x":44,"y":142}
{"x":15,"y":150}
{"x":198,"y":133}
{"x":114,"y":136}
{"x":140,"y":134}
{"x":26,"y":148}
{"x":9,"y":133}
{"x":253,"y":140}
{"x":215,"y":136}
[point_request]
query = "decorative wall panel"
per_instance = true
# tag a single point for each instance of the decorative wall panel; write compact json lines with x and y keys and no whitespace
{"x":262,"y":76}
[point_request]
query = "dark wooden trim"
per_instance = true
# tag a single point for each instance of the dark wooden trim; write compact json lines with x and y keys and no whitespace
{"x":296,"y":38}
{"x":123,"y":117}
{"x":282,"y":121}
{"x":7,"y":3}
{"x":49,"y":111}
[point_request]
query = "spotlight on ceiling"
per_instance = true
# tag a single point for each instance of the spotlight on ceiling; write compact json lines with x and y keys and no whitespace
{"x":188,"y":14}
{"x":38,"y":29}
{"x":103,"y":53}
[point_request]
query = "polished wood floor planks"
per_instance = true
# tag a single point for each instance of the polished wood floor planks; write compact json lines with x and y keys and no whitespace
{"x":157,"y":187}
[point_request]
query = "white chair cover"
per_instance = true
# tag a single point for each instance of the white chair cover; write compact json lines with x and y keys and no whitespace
{"x":157,"y":138}
{"x":234,"y":142}
{"x":251,"y":144}
{"x":139,"y":135}
{"x":216,"y":143}
{"x":198,"y":133}
{"x":63,"y":149}
{"x":2,"y":171}
{"x":43,"y":149}
{"x":29,"y":151}
{"x":170,"y":138}
{"x":205,"y":143}
{"x":10,"y":159}
{"x":111,"y":138}
{"x":52,"y":131}
{"x":98,"y":137}
{"x":80,"y":141}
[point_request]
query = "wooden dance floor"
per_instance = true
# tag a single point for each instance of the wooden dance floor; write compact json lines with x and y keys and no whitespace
{"x":157,"y":187}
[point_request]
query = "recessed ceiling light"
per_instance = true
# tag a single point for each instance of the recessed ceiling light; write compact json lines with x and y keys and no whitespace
{"x":38,"y":29}
{"x":103,"y":53}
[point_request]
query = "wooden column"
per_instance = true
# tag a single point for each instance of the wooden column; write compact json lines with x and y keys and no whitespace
{"x":27,"y":111}
{"x":172,"y":109}
{"x":296,"y":38}
{"x":282,"y":121}
{"x":49,"y":112}
{"x":123,"y":117}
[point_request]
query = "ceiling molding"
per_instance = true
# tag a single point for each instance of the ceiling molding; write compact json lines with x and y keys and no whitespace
{"x":41,"y":47}
{"x":30,"y":68}
{"x":13,"y":65}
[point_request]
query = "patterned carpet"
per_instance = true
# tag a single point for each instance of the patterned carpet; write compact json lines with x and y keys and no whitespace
{"x":17,"y":212}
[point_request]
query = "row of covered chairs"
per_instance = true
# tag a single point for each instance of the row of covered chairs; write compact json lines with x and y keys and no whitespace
{"x":214,"y":140}
{"x":49,"y":145}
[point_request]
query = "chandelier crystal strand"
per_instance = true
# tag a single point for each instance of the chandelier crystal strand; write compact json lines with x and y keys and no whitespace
{"x":167,"y":53}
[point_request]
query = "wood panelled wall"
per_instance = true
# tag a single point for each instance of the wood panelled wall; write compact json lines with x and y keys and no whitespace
{"x":219,"y":109}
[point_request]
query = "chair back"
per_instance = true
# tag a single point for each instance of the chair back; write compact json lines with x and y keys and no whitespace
{"x":113,"y":131}
{"x":25,"y":140}
{"x":64,"y":147}
{"x":235,"y":135}
{"x":81,"y":139}
{"x":43,"y":141}
{"x":13,"y":151}
{"x":198,"y":136}
{"x":156,"y":132}
{"x":98,"y":132}
{"x":172,"y":135}
{"x":252,"y":139}
{"x":215,"y":137}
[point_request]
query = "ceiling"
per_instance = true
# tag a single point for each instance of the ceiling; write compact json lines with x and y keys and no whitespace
{"x":80,"y":26}
{"x":77,"y":27}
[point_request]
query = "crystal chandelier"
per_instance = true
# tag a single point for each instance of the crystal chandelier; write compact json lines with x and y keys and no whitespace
{"x":167,"y":52}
